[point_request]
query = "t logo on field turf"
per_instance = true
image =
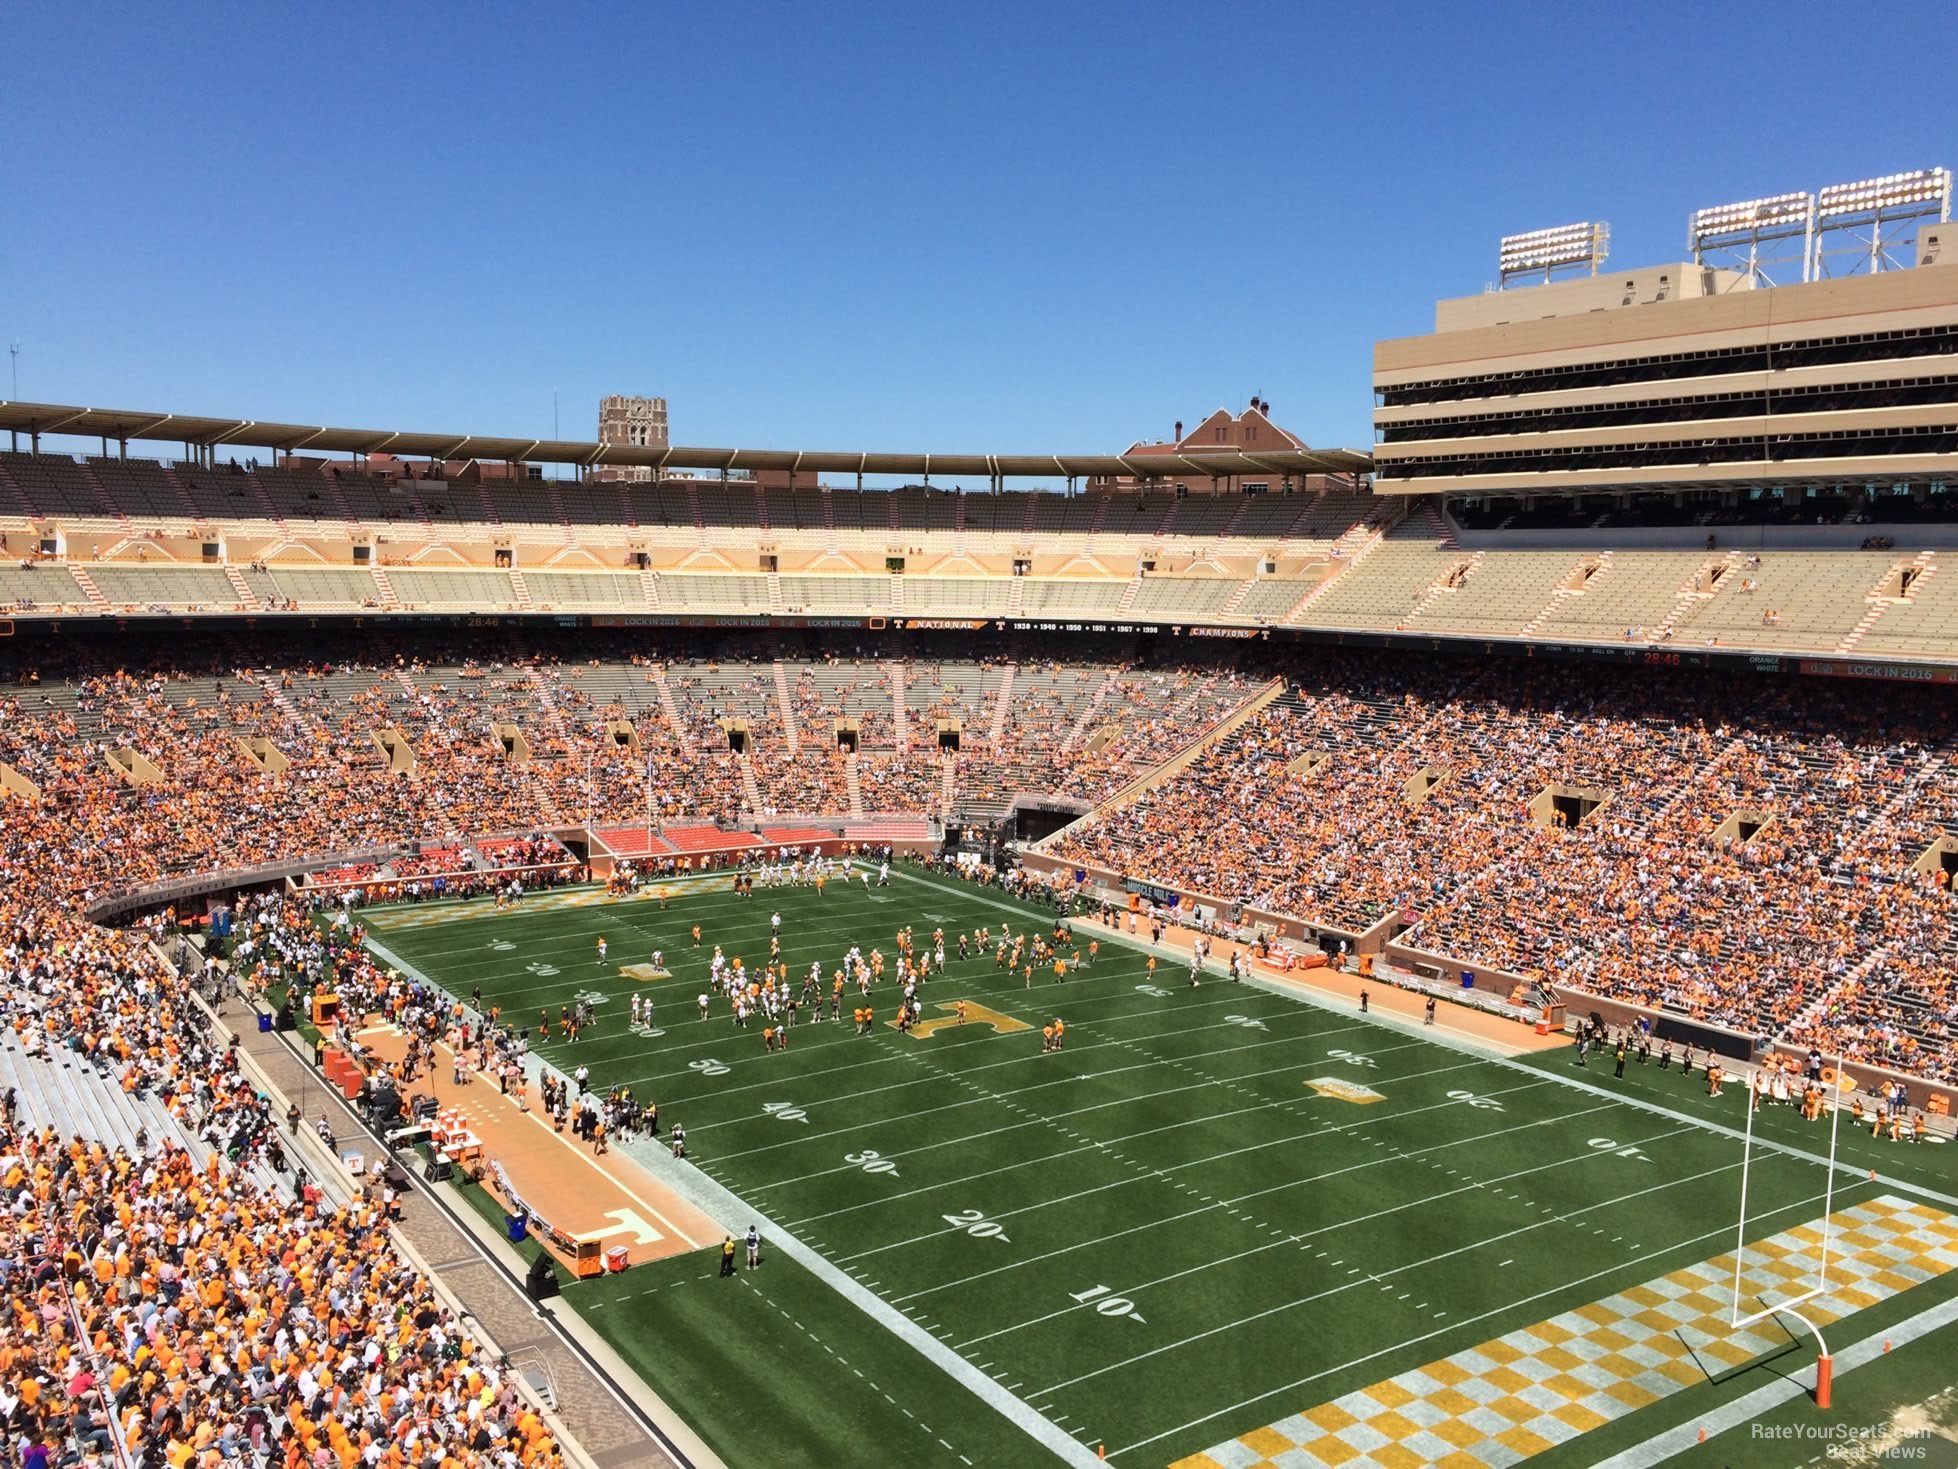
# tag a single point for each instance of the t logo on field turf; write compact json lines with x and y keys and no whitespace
{"x":1341,"y":1090}
{"x":626,"y":1221}
{"x":975,"y":1012}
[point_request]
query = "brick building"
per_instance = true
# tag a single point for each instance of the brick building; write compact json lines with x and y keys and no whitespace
{"x":1249,"y":431}
{"x":639,"y":423}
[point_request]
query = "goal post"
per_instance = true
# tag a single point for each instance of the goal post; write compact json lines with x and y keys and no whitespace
{"x":1792,"y":1305}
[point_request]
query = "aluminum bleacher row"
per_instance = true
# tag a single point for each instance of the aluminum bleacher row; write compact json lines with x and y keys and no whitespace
{"x":60,"y":487}
{"x":63,"y":1091}
{"x":110,"y":536}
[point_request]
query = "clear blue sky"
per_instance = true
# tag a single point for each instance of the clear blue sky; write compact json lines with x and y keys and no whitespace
{"x":986,"y":227}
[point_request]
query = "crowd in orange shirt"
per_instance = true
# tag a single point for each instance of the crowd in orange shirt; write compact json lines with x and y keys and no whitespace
{"x":1754,"y":864}
{"x":199,"y":1317}
{"x":1380,"y":790}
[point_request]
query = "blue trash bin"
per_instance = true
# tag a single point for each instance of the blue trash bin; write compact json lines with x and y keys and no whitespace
{"x":518,"y":1226}
{"x":264,"y":1024}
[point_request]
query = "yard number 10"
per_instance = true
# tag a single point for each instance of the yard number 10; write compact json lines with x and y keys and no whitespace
{"x":1108,"y":1305}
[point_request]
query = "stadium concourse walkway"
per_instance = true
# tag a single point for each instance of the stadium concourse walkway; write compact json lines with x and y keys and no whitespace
{"x":589,"y":1406}
{"x":1385,"y":996}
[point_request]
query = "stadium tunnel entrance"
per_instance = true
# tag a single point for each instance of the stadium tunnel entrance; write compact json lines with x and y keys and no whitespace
{"x":1032,"y":820}
{"x":1941,"y":857}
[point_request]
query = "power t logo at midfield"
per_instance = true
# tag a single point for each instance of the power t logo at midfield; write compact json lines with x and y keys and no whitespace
{"x":975,"y":1013}
{"x":1344,"y":1091}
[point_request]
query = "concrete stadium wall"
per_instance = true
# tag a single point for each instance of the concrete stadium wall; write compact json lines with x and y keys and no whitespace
{"x":1693,"y":538}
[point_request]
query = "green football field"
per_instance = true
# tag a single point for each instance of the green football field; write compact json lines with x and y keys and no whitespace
{"x":1214,"y":1210}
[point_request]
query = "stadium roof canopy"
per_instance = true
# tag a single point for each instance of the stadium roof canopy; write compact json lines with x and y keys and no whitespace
{"x":121,"y":425}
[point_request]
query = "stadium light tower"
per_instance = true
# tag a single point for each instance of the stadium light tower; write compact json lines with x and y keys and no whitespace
{"x":1864,"y":224}
{"x":1544,"y":253}
{"x":1745,"y":236}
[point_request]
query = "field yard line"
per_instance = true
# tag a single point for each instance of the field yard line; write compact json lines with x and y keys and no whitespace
{"x":1377,"y":1277}
{"x":636,"y":915}
{"x":1133,"y":942}
{"x":719,"y":1202}
{"x":1190,"y":1213}
{"x":1356,"y":1167}
{"x":1093,"y":1147}
{"x":893,"y":1055}
{"x":886,"y":1056}
{"x":727,"y":1037}
{"x":1455,"y":1041}
{"x":960,"y":1141}
{"x":1292,"y":1239}
{"x":1721,"y":1233}
{"x":1789,"y":1149}
{"x":1294,"y":1137}
{"x":981,"y":896}
{"x":1062,"y":1080}
{"x":1043,"y":1121}
{"x":1088,"y":1147}
{"x":575,"y":983}
{"x":626,"y":912}
{"x":805,"y":939}
{"x":796,"y":937}
{"x":883,"y":1057}
{"x":1085,"y":1025}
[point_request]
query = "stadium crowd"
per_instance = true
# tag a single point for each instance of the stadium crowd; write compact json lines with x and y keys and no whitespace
{"x":1748,"y":853}
{"x":1756,"y":856}
{"x":168,"y":1312}
{"x":1755,"y":865}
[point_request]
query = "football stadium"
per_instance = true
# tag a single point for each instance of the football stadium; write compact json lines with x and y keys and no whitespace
{"x":1215,"y":952}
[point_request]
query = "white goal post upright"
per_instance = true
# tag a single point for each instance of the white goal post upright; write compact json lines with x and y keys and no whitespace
{"x":1791,"y":1306}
